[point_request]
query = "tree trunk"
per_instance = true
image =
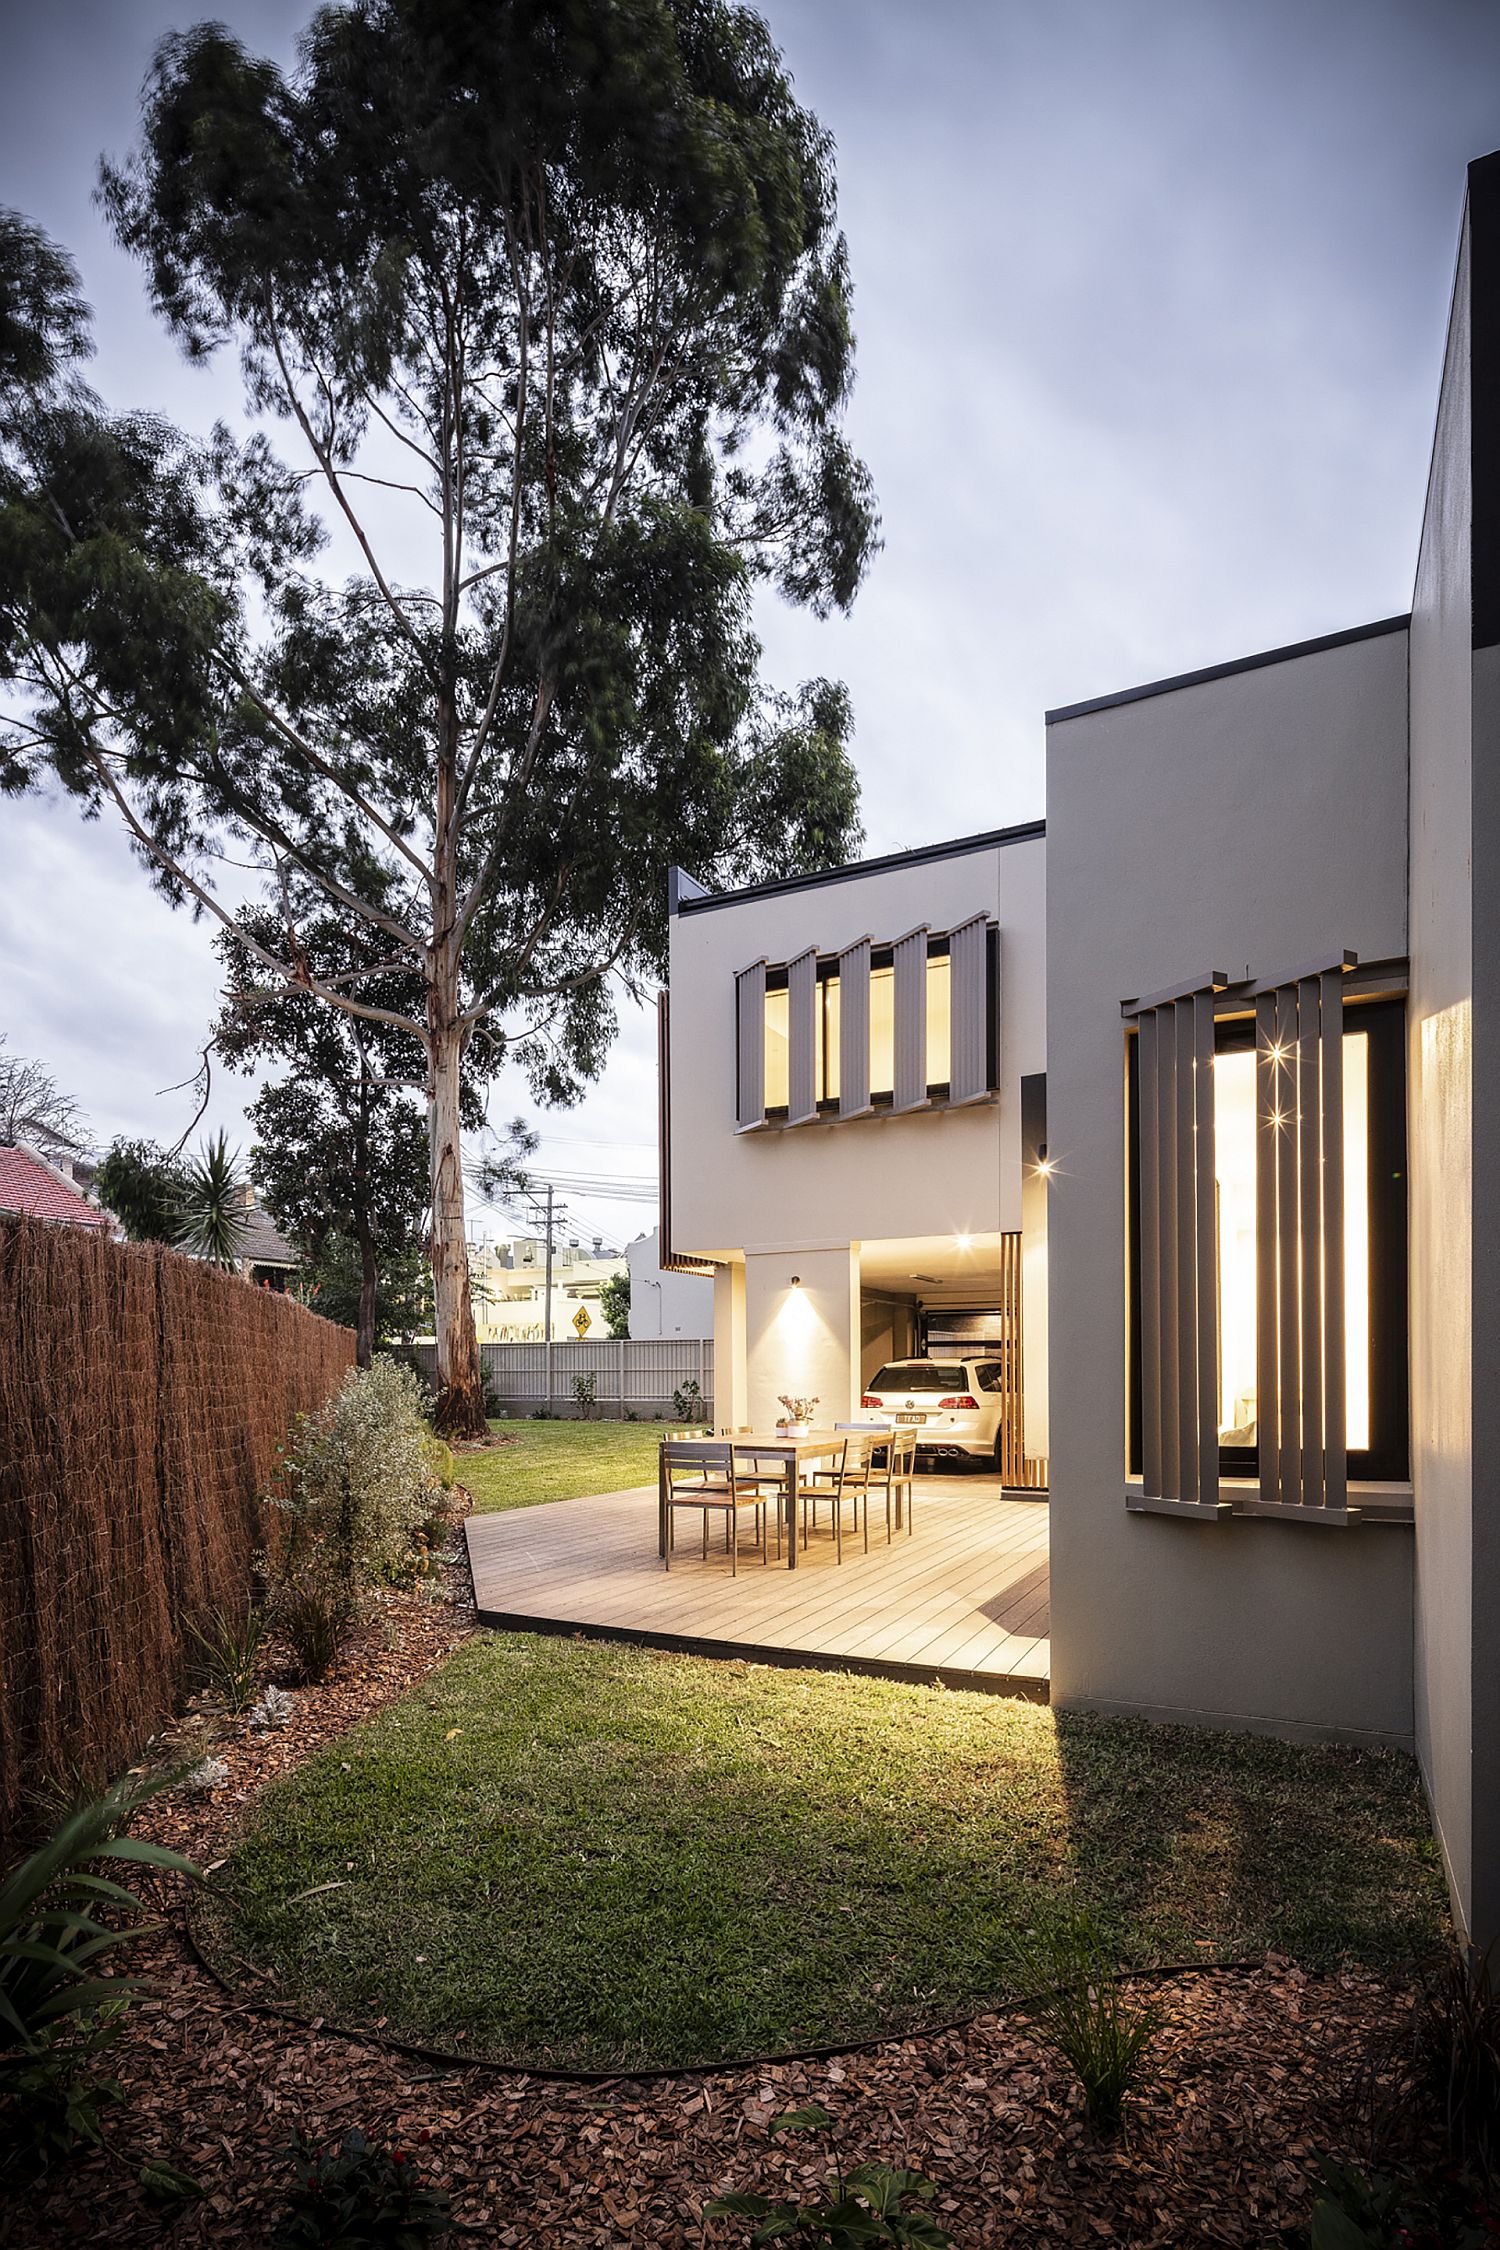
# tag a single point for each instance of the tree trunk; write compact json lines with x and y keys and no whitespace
{"x":460,"y":1382}
{"x":369,"y":1281}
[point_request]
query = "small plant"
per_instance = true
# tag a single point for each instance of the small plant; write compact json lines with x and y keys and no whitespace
{"x":1456,"y":2052}
{"x":873,"y":2203}
{"x":272,"y":1710}
{"x":687,"y":1401}
{"x":1076,"y":2006}
{"x":586,"y":1395}
{"x":361,"y":2195}
{"x":797,"y":1409}
{"x":1402,"y":2210}
{"x":57,"y":2012}
{"x":317,"y":1619}
{"x":209,"y":1774}
{"x":228,"y":1651}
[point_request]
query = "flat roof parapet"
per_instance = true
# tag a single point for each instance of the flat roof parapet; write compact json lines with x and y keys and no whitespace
{"x":1225,"y":671}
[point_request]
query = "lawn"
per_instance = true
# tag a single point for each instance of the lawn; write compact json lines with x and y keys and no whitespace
{"x":559,"y":1461}
{"x":597,"y":1855}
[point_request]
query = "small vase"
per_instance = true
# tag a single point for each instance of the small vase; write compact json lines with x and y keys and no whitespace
{"x":796,"y":1429}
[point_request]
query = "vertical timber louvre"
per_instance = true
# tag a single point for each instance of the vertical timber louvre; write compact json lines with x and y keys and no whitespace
{"x":968,"y":971}
{"x":750,"y":1033}
{"x":1179,"y":1265}
{"x":1299,"y":1233}
{"x":910,"y":1000}
{"x":802,"y":1003}
{"x":854,"y":1029}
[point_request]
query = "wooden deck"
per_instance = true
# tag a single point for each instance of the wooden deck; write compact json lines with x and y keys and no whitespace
{"x":964,"y":1600}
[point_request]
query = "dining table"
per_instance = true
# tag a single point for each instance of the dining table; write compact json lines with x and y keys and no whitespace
{"x":788,"y":1449}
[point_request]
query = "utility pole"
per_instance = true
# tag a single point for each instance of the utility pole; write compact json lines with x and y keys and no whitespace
{"x":548,"y":1329}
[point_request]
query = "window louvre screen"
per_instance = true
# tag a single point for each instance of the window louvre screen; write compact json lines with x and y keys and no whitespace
{"x":854,"y":1029}
{"x":802,"y":998}
{"x":1179,"y":1253}
{"x":911,"y":1020}
{"x":750,"y":1024}
{"x":968,"y":955}
{"x":1300,"y":1314}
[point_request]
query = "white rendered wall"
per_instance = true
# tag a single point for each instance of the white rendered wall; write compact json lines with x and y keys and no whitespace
{"x":1440,"y":1066}
{"x":934,"y":1173}
{"x":666,"y":1304}
{"x":1258,"y":822}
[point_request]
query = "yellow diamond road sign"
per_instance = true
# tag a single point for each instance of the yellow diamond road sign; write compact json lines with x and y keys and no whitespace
{"x":581,"y":1321}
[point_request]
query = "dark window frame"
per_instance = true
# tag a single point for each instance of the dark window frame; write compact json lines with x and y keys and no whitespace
{"x":1387,"y":1460}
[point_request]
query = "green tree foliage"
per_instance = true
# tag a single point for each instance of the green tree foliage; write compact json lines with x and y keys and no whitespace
{"x":332,"y":1282}
{"x":614,"y":1303}
{"x":212,"y":1213}
{"x":550,"y":304}
{"x":143,"y":1186}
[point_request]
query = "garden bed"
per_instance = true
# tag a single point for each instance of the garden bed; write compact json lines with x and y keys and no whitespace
{"x":1256,"y":2071}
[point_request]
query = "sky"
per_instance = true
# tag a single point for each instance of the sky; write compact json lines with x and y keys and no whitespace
{"x":1150,"y":299}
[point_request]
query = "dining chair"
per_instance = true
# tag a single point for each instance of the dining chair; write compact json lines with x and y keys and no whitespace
{"x":903,"y":1459}
{"x":703,"y":1476}
{"x":770,"y":1471}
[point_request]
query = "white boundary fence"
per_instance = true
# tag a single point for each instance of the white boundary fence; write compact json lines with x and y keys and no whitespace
{"x":635,"y":1375}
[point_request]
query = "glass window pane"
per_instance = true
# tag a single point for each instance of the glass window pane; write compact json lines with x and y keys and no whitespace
{"x":828,"y":1034}
{"x":777,"y":1084}
{"x":883,"y":1031}
{"x":939,"y":1050}
{"x":1234,"y":1165}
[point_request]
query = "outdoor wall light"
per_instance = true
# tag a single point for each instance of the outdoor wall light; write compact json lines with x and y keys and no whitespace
{"x":796,"y":1281}
{"x":964,"y":1241}
{"x":1043,"y":1163}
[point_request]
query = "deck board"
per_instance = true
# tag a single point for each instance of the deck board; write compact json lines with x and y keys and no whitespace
{"x":964,"y":1599}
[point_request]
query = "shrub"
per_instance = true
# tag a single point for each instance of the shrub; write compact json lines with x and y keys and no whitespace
{"x":1075,"y":2004}
{"x":57,"y":2012}
{"x":228,"y":1651}
{"x":1400,"y":2210}
{"x":358,"y":1482}
{"x":586,"y":1394}
{"x":360,"y":2195}
{"x":1456,"y":2050}
{"x":687,"y":1401}
{"x":873,"y":2203}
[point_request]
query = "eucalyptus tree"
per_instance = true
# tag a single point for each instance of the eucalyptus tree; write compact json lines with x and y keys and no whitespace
{"x":548,"y":301}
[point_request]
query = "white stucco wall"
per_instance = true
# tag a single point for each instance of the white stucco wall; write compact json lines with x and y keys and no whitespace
{"x":1252,"y":822}
{"x":935,"y":1173}
{"x":666,"y":1304}
{"x":1440,"y":1068}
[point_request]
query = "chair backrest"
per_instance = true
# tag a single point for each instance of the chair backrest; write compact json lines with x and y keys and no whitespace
{"x":695,"y":1459}
{"x":903,"y":1451}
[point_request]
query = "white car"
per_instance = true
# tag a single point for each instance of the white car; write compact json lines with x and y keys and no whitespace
{"x":954,"y":1405}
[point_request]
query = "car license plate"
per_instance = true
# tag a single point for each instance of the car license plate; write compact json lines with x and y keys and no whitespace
{"x":911,"y":1417}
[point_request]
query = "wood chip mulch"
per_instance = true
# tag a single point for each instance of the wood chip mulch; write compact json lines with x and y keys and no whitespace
{"x":1257,"y":2072}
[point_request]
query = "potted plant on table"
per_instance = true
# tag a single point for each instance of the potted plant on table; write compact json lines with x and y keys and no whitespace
{"x":799,"y":1414}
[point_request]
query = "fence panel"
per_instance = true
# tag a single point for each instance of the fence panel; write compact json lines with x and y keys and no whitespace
{"x":142,"y":1399}
{"x":632,"y":1375}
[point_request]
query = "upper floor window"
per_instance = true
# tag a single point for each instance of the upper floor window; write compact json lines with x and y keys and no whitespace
{"x":890,"y":1027}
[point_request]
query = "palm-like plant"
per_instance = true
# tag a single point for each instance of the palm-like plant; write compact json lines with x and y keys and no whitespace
{"x":56,"y":2009}
{"x":211,"y":1212}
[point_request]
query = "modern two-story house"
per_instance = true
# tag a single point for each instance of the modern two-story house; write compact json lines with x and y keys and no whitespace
{"x":1188,"y":1100}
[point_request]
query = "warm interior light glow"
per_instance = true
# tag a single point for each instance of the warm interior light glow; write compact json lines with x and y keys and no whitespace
{"x":827,"y":1076}
{"x":939,"y":1034}
{"x":882,"y":1030}
{"x":1234,"y":1144}
{"x":778,"y":1087}
{"x":964,"y":1241}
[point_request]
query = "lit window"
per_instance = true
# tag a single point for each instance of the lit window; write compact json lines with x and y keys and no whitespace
{"x":1234,"y":1166}
{"x":778,"y":1082}
{"x":827,"y":1061}
{"x":882,"y":1030}
{"x":939,"y":1033}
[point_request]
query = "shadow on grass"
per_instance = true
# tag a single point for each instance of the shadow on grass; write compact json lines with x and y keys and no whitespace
{"x":591,"y":1855}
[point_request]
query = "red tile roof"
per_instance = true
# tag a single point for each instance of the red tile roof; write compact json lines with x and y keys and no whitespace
{"x":27,"y":1184}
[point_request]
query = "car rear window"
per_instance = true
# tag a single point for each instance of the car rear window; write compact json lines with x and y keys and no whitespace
{"x":991,"y":1375}
{"x":920,"y":1375}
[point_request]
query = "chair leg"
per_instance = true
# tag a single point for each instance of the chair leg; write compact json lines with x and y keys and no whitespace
{"x":732,"y":1538}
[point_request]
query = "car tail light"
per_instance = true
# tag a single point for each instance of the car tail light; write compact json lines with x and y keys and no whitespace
{"x":964,"y":1401}
{"x":871,"y":1398}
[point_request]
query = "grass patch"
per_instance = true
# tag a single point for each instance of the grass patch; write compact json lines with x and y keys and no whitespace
{"x":598,"y":1855}
{"x":560,"y":1461}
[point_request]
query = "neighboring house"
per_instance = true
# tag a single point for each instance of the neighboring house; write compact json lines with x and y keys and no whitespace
{"x":667,"y":1301}
{"x":266,"y":1257}
{"x":1190,"y":1103}
{"x":44,"y":1187}
{"x":509,"y":1281}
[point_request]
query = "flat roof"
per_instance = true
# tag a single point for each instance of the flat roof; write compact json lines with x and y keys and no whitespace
{"x":1224,"y":671}
{"x":1027,"y":832}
